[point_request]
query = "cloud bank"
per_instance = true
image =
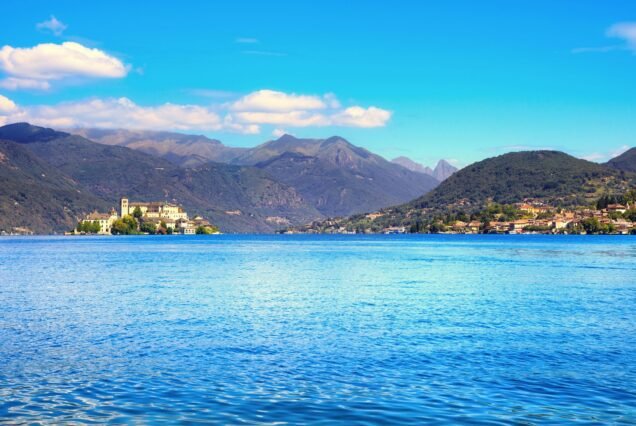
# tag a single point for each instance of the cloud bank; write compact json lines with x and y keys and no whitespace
{"x":244,"y":115}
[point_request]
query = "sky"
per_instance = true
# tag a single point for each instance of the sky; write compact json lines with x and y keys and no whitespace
{"x":460,"y":80}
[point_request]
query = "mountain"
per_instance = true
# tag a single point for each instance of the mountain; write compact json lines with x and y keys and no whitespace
{"x":551,"y":177}
{"x":442,"y":170}
{"x":412,"y":165}
{"x":274,"y":148}
{"x":336,"y":177}
{"x":626,"y":161}
{"x":332,"y":175}
{"x":178,"y":148}
{"x":236,"y":198}
{"x":36,"y":196}
{"x":26,"y":133}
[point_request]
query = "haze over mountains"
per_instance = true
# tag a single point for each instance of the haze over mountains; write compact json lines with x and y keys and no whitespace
{"x":178,"y":148}
{"x":332,"y":175}
{"x":193,"y":150}
{"x":441,"y":172}
{"x":280,"y":183}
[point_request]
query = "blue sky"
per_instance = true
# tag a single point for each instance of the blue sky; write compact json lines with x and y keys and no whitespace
{"x":461,"y":80}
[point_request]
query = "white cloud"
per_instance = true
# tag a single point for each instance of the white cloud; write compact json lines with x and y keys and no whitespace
{"x":46,"y":62}
{"x":277,"y":132}
{"x":248,"y":129}
{"x":331,"y":100}
{"x":291,"y":118}
{"x":13,"y":83}
{"x":296,"y":110}
{"x":7,"y":109}
{"x":604,"y":156}
{"x":53,"y":25}
{"x":124,"y":113}
{"x":247,"y":40}
{"x":601,"y":49}
{"x":356,"y":116}
{"x":212,"y":93}
{"x":263,"y":53}
{"x":266,"y":108}
{"x":7,"y":105}
{"x":625,"y":31}
{"x":271,"y":100}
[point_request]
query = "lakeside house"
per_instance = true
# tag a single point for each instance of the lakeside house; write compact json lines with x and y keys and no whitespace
{"x":154,"y":213}
{"x":105,"y":220}
{"x":546,"y":220}
{"x":527,"y":217}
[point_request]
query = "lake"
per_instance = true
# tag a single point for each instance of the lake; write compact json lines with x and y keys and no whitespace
{"x":450,"y":329}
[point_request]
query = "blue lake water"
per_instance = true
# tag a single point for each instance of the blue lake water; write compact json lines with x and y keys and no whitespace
{"x":302,"y":329}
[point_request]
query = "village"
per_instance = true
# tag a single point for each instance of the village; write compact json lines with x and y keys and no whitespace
{"x":157,"y":217}
{"x":527,"y":217}
{"x":539,"y":218}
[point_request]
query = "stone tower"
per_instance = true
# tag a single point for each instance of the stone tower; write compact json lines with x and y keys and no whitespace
{"x":124,"y":206}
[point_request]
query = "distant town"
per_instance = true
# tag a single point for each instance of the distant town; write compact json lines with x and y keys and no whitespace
{"x":528,"y":217}
{"x":157,"y":217}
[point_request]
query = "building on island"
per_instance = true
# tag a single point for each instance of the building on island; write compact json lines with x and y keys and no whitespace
{"x":104,"y":220}
{"x":160,"y":210}
{"x":156,"y":214}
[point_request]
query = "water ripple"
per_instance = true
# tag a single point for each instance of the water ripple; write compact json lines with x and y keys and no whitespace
{"x":318,"y":330}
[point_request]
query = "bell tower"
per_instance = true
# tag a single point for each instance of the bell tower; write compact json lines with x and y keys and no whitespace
{"x":124,"y":207}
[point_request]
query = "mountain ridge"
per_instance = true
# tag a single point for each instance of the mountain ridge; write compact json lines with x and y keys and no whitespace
{"x":344,"y":178}
{"x":212,"y":190}
{"x":276,"y":191}
{"x":443,"y":169}
{"x":549,"y":177}
{"x":179,"y":148}
{"x":35,"y":196}
{"x":336,"y":176}
{"x":625,"y":161}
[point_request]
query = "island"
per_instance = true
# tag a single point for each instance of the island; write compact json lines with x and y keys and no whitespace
{"x":155,"y":217}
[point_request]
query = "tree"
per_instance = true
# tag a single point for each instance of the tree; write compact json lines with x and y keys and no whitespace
{"x":94,"y":227}
{"x":436,"y":228}
{"x":89,"y":227}
{"x":630,"y":215}
{"x":148,"y":227}
{"x":127,"y":225}
{"x":591,"y":225}
{"x":606,"y":200}
{"x":137,"y":214}
{"x":211,"y":229}
{"x":119,"y":227}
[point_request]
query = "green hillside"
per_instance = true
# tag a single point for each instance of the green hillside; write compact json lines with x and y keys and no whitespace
{"x":235,"y":198}
{"x":550,"y":177}
{"x":626,"y":161}
{"x":36,"y":196}
{"x":554,"y":177}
